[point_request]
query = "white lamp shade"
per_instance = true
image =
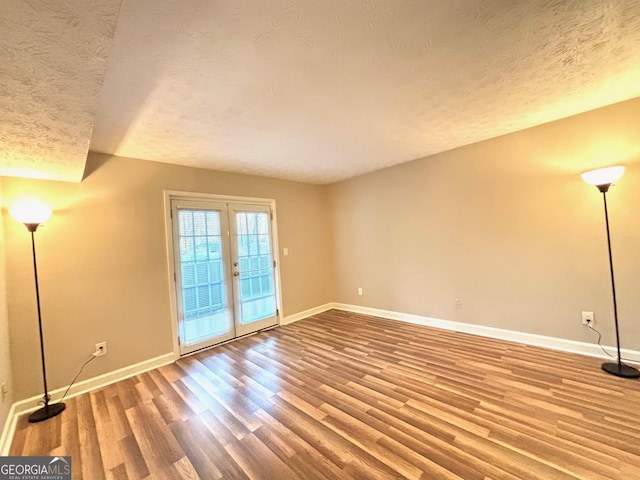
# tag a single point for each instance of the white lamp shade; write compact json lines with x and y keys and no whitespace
{"x":603,"y":176}
{"x":30,"y":212}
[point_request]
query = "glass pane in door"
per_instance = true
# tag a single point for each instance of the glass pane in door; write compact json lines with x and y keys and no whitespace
{"x":205,"y":310}
{"x":255,"y":267}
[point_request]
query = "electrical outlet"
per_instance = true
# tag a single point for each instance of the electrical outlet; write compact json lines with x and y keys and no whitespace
{"x":4,"y":391}
{"x":458,"y":304}
{"x":360,"y":291}
{"x":588,"y":318}
{"x":101,"y":349}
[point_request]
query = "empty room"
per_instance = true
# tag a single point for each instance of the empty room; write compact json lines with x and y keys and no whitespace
{"x":325,"y":239}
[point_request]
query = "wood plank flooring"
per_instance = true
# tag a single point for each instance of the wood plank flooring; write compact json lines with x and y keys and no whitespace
{"x":341,"y":395}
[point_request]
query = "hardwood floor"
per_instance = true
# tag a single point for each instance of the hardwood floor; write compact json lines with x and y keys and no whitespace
{"x":342,"y":395}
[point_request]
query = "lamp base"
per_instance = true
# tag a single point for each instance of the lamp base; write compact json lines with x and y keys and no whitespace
{"x":620,"y":370}
{"x":46,"y":412}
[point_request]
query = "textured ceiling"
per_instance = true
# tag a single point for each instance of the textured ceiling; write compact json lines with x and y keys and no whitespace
{"x":308,"y":90}
{"x":53,"y":56}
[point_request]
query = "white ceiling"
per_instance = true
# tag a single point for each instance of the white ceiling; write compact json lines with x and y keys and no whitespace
{"x":316,"y":91}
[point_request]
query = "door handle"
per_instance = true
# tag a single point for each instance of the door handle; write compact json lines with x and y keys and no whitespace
{"x":236,"y":274}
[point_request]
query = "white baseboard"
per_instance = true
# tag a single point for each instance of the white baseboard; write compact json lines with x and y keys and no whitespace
{"x":571,"y":346}
{"x":307,"y":313}
{"x":30,"y":404}
{"x":7,"y":432}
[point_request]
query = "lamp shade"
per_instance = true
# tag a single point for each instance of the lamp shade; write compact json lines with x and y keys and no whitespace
{"x":603,"y":176}
{"x":30,"y":212}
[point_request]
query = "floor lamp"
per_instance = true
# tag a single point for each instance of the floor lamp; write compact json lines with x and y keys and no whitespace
{"x":33,"y":214}
{"x":602,"y":179}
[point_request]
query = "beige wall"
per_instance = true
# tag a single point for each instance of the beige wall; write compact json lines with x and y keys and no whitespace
{"x":506,"y":225}
{"x":5,"y":363}
{"x":103,"y":268}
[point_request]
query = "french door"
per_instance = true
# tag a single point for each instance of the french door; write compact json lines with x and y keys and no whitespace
{"x":224,"y":271}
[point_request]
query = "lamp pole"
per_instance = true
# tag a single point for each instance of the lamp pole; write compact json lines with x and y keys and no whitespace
{"x":613,"y":281}
{"x":602,"y":179}
{"x":47,"y":411}
{"x":32,"y":227}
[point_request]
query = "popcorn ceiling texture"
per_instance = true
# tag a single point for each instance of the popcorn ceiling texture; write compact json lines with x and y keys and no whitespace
{"x":52,"y":62}
{"x":316,"y":91}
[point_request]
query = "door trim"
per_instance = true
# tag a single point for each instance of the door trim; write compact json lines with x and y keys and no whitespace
{"x":170,"y":195}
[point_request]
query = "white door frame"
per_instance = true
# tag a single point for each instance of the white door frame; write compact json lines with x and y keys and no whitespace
{"x":171,"y":272}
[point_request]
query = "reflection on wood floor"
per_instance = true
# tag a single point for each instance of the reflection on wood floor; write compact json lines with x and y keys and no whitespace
{"x":342,"y":395}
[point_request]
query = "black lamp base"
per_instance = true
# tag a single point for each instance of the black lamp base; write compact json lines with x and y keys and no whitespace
{"x":621,"y":370}
{"x":46,"y":412}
